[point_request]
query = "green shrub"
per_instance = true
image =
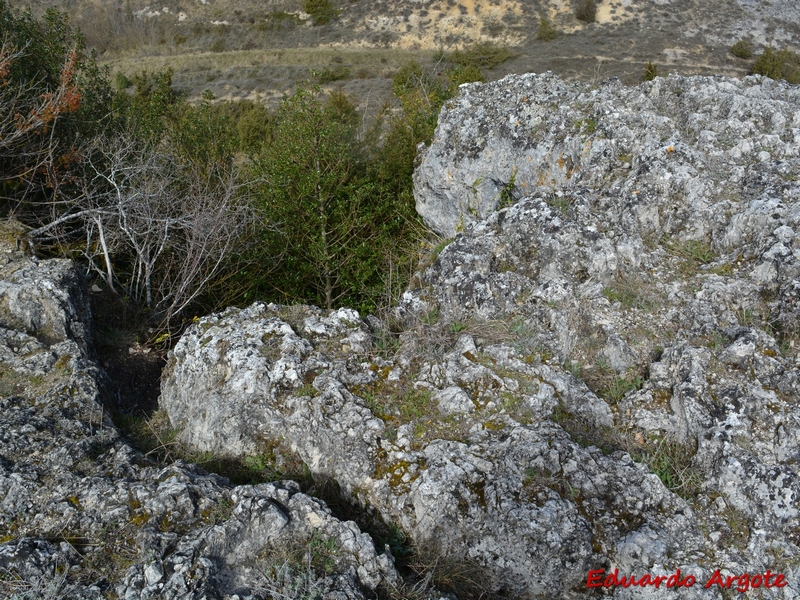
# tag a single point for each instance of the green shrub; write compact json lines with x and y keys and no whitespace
{"x":254,"y":124}
{"x":586,"y":11}
{"x":546,"y":31}
{"x":335,"y":224}
{"x":742,"y":49}
{"x":650,"y":72}
{"x":144,"y":114}
{"x":780,"y":64}
{"x":329,"y":74}
{"x":481,"y":56}
{"x":121,"y":81}
{"x":322,"y":11}
{"x":469,"y":74}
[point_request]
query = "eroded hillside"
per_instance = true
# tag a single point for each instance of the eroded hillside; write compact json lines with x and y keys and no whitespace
{"x":239,"y":48}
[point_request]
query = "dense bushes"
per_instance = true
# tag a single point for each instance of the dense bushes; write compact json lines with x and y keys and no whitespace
{"x":778,"y":64}
{"x":51,"y":94}
{"x":183,"y":208}
{"x":333,"y":224}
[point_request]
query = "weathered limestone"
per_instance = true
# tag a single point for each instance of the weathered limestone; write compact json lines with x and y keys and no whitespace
{"x":648,"y":249}
{"x":83,"y":515}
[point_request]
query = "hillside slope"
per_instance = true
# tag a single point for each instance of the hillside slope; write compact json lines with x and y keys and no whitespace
{"x":243,"y":48}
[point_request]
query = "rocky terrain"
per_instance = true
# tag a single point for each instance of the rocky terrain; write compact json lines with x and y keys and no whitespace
{"x":638,"y":240}
{"x":83,"y":515}
{"x":596,"y":369}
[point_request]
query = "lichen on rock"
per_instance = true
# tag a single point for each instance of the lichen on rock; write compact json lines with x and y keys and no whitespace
{"x":85,"y":516}
{"x":600,"y":371}
{"x":612,"y":378}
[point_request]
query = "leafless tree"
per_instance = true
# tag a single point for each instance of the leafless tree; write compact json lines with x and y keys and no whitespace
{"x":156,"y":229}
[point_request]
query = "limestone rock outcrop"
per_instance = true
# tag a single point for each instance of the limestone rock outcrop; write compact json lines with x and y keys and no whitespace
{"x":85,"y":516}
{"x":600,"y":370}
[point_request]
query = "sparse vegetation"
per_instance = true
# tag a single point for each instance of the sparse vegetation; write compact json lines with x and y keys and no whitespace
{"x":672,"y":462}
{"x":633,"y":291}
{"x":650,"y":72}
{"x":586,"y":433}
{"x":439,"y":247}
{"x":546,"y":31}
{"x":695,"y":253}
{"x":620,"y":386}
{"x":507,"y":197}
{"x":742,"y":49}
{"x":450,"y":573}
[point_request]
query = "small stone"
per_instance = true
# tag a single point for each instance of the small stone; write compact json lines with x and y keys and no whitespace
{"x":153,"y":573}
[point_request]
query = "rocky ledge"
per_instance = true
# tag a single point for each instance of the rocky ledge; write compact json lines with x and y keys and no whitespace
{"x":597,"y":371}
{"x":85,"y":516}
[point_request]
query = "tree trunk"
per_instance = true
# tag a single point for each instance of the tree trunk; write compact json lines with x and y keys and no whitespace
{"x":326,"y":256}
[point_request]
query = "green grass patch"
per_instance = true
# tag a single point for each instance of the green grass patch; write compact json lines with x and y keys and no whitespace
{"x":620,"y":386}
{"x":673,"y":463}
{"x":562,"y":202}
{"x":634,"y":292}
{"x":482,"y":56}
{"x":415,"y":404}
{"x":693,"y":252}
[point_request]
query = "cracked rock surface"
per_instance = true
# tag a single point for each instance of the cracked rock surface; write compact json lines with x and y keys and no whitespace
{"x":85,"y":516}
{"x":600,"y":370}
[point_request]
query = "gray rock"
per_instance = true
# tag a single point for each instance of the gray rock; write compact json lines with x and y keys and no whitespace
{"x":453,"y":401}
{"x":637,"y":299}
{"x":612,"y":382}
{"x":84,"y":516}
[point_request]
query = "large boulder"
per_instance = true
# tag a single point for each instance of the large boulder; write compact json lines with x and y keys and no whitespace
{"x":671,"y":147}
